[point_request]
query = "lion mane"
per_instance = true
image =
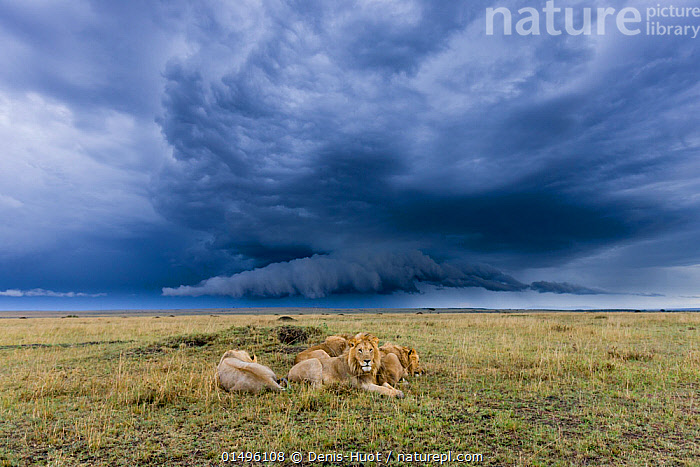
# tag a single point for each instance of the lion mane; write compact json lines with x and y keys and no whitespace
{"x":357,"y":355}
{"x":408,"y":357}
{"x":358,"y":367}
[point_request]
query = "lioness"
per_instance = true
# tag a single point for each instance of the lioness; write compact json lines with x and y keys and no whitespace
{"x":357,"y":367}
{"x":334,"y":346}
{"x":238,"y":372}
{"x":407,"y":356}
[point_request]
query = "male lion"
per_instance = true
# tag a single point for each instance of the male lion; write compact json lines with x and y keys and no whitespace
{"x":238,"y":372}
{"x":391,"y":370}
{"x":334,"y":346}
{"x":357,"y":367}
{"x":407,"y":356}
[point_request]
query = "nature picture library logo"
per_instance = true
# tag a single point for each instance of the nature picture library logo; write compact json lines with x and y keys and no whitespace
{"x":660,"y":20}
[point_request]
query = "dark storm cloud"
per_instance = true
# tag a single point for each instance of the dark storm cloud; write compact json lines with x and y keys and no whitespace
{"x":88,"y":54}
{"x":306,"y":130}
{"x":408,"y":128}
{"x":575,"y":289}
{"x":535,"y":221}
{"x":359,"y":273}
{"x":365,"y":272}
{"x":563,"y":287}
{"x":80,"y":84}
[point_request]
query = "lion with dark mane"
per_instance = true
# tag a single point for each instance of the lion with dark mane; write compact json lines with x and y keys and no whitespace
{"x":358,"y":367}
{"x":407,"y":356}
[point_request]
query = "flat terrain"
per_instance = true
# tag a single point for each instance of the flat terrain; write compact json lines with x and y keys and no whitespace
{"x":541,"y":389}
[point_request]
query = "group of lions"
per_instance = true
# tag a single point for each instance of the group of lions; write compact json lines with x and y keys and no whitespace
{"x":355,"y":360}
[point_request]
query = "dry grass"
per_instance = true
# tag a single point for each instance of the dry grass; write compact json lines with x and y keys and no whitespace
{"x":521,"y":389}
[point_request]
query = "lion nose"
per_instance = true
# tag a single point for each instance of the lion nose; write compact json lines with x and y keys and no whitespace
{"x":367,"y":361}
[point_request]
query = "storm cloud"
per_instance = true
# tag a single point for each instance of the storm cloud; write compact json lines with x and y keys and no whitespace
{"x":363,"y":273}
{"x":563,"y":287}
{"x":455,"y":143}
{"x":226,"y":144}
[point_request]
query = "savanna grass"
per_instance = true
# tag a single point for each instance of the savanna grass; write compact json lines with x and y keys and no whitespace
{"x":534,"y":389}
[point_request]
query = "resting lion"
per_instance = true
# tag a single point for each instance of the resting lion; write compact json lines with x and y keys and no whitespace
{"x":334,"y":346}
{"x":357,"y":367}
{"x":391,"y":370}
{"x":407,"y":356}
{"x":238,"y":372}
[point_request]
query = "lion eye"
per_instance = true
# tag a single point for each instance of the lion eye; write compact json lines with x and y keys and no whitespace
{"x":360,"y":350}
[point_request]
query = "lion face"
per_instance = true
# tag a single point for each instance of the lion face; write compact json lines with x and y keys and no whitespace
{"x":413,"y":363}
{"x":364,"y":357}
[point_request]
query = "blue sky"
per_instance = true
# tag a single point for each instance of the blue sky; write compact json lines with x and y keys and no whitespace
{"x":369,"y":153}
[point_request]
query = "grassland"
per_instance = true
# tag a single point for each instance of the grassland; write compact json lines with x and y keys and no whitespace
{"x":540,"y":389}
